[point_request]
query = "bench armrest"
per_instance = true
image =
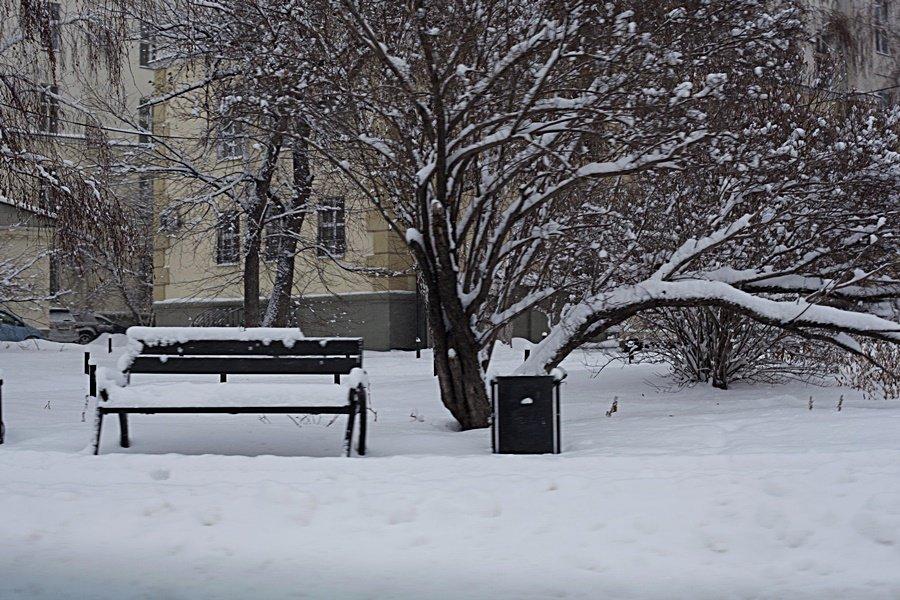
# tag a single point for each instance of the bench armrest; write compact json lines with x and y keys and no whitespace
{"x":357,"y":377}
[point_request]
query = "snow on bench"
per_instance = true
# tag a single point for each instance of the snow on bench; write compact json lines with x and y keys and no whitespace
{"x":192,"y":394}
{"x":230,"y":350}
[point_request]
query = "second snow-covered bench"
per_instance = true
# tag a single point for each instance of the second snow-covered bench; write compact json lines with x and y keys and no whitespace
{"x":227,"y":351}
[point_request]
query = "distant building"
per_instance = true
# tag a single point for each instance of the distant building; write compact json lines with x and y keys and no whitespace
{"x":855,"y":47}
{"x":78,"y":88}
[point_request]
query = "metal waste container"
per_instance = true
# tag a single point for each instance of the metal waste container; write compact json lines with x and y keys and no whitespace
{"x":526,"y":414}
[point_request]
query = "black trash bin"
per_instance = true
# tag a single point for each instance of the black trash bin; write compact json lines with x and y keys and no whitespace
{"x":526,"y":414}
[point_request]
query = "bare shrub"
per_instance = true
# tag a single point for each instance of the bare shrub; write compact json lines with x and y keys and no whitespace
{"x":879,"y":378}
{"x":719,"y":346}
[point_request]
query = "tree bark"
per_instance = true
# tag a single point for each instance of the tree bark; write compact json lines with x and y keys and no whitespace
{"x":278,"y":312}
{"x":456,"y":356}
{"x":255,"y":224}
{"x":251,"y":264}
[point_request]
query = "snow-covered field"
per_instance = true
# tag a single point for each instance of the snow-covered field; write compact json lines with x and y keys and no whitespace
{"x":681,"y":494}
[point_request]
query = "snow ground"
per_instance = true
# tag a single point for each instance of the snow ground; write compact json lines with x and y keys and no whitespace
{"x":690,"y":494}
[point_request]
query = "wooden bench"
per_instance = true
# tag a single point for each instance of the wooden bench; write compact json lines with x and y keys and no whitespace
{"x":232,"y":351}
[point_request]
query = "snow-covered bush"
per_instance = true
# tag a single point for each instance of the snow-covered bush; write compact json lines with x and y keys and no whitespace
{"x":720,"y":346}
{"x":878,"y":378}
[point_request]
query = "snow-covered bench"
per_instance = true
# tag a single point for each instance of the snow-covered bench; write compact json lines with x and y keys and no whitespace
{"x":227,"y":351}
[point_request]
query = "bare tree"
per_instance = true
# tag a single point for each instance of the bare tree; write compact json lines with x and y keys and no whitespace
{"x":244,"y":72}
{"x":54,"y":151}
{"x":482,"y":124}
{"x":794,"y":225}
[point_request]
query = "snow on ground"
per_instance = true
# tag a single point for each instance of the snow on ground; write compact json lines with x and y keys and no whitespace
{"x":695,"y":493}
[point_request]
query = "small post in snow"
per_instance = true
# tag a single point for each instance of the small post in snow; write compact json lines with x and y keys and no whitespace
{"x":527,"y":353}
{"x":418,"y":347}
{"x":87,"y":360}
{"x":109,"y":344}
{"x":2,"y":426}
{"x":92,"y":380}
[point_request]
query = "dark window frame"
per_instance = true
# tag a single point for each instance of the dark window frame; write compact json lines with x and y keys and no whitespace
{"x":228,"y":238}
{"x":145,"y":121}
{"x":331,"y":235}
{"x":54,"y":19}
{"x":231,"y":142}
{"x":882,"y":14}
{"x":272,"y":237}
{"x":48,"y":111}
{"x":146,"y":46}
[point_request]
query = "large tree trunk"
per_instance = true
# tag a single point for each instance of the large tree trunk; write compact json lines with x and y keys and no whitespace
{"x":456,"y":357}
{"x":278,"y":312}
{"x":256,"y":213}
{"x":251,"y":265}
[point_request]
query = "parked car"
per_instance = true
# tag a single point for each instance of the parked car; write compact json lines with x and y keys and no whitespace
{"x":82,"y":327}
{"x":91,"y":325}
{"x":62,"y":326}
{"x":14,"y":329}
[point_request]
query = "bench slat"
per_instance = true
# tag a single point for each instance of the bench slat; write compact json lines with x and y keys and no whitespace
{"x":230,"y":410}
{"x":307,"y":347}
{"x":245,"y":366}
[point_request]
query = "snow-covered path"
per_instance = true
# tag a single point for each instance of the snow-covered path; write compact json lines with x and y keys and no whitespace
{"x":694,"y":494}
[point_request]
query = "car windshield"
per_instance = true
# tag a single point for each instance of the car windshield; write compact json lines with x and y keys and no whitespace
{"x":61,"y":316}
{"x":8,"y":319}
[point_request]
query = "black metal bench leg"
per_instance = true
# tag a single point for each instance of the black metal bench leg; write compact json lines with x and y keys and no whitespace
{"x":363,"y":414}
{"x":123,"y":430}
{"x":98,"y":425}
{"x":351,"y":417}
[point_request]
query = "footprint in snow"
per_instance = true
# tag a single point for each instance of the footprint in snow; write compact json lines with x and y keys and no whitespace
{"x":160,"y":474}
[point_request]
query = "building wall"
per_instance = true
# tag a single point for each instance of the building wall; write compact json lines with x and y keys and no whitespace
{"x":24,"y":238}
{"x":82,"y":80}
{"x":355,"y":296}
{"x":385,"y":320}
{"x":844,"y":33}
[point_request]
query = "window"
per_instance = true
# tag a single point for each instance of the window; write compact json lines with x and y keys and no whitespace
{"x":48,"y":197}
{"x":144,"y":208}
{"x":8,"y":319}
{"x":881,"y":41}
{"x":882,"y":14}
{"x":147,"y":46}
{"x":48,"y":109}
{"x":332,"y":235}
{"x":53,"y":18}
{"x":53,"y":284}
{"x":272,"y":237}
{"x":231,"y":142}
{"x":145,"y":121}
{"x":169,"y":221}
{"x":228,"y":238}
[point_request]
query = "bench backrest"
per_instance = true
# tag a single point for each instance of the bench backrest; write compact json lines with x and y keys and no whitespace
{"x":309,"y":356}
